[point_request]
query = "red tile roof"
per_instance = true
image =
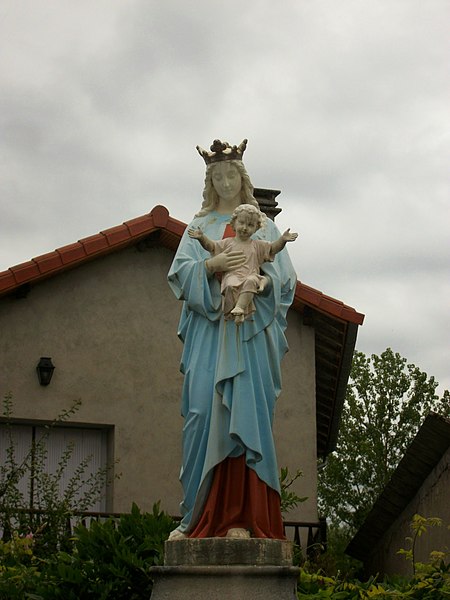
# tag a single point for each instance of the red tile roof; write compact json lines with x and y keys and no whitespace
{"x":131,"y":232}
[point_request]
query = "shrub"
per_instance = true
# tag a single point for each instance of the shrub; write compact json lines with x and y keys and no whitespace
{"x":435,"y":586}
{"x":110,"y":559}
{"x":18,"y":575}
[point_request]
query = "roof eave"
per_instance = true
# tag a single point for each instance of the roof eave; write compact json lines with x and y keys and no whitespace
{"x":425,"y":451}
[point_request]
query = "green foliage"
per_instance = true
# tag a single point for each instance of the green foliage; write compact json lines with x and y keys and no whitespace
{"x":18,"y":550}
{"x":109,"y":560}
{"x":289,"y":499}
{"x":420,"y":525}
{"x":334,"y":560}
{"x":386,"y":402}
{"x":114,"y":557}
{"x":18,"y":572}
{"x":431,"y":580}
{"x":18,"y":583}
{"x":317,"y":586}
{"x":50,"y":510}
{"x":435,"y":585}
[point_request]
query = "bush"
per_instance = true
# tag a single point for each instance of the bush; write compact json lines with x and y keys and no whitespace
{"x":18,"y":574}
{"x":110,"y":559}
{"x":435,"y":585}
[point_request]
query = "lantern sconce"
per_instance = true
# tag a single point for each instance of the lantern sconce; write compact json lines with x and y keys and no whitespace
{"x":45,"y":370}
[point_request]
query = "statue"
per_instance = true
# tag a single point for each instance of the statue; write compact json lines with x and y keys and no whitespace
{"x":241,"y":284}
{"x":230,"y":362}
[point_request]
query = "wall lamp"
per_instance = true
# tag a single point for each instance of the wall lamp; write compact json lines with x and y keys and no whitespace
{"x":45,"y":370}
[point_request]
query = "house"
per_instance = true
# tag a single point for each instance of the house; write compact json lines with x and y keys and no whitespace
{"x":102,"y":311}
{"x":419,"y":485}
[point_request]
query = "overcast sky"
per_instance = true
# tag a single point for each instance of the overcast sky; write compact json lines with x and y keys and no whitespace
{"x":345,"y":105}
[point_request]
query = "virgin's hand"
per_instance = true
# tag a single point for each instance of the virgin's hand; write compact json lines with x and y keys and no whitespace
{"x":225,"y":261}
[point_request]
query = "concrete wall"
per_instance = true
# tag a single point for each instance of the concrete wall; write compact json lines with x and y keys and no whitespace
{"x":110,"y":328}
{"x":432,"y":500}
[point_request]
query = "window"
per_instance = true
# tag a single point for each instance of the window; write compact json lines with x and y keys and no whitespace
{"x":86,"y":442}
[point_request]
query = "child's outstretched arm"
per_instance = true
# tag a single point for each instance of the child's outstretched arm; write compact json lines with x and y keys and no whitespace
{"x":280,"y":243}
{"x":204,"y":240}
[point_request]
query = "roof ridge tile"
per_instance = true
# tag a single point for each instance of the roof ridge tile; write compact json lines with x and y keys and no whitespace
{"x":72,"y":253}
{"x":140,"y":225}
{"x":94,"y":244}
{"x":116,"y":235}
{"x":24,"y":272}
{"x":51,"y":261}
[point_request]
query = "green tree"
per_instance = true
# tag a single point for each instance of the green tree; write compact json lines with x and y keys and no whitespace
{"x":386,"y":402}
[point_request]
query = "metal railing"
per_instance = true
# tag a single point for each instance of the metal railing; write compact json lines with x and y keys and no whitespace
{"x":310,"y":537}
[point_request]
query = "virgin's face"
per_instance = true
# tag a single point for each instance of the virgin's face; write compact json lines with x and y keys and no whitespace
{"x":226,"y":180}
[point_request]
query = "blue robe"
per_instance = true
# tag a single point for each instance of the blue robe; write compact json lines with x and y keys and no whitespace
{"x":232,"y":374}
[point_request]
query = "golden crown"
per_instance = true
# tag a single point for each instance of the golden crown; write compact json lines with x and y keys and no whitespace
{"x":222,"y":151}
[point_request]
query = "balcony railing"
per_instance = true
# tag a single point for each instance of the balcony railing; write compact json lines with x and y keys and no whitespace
{"x":310,"y":537}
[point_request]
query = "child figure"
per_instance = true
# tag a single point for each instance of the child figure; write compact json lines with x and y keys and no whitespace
{"x":240,"y":284}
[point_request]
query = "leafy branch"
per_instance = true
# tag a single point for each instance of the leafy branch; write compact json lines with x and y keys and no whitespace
{"x":419,"y":525}
{"x":289,"y":499}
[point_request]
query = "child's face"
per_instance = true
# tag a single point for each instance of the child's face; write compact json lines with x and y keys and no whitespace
{"x":245,"y":226}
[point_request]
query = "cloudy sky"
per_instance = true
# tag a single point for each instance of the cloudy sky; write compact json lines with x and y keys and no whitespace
{"x":345,"y":105}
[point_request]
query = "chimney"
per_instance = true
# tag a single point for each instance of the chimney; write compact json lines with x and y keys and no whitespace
{"x":267,"y":202}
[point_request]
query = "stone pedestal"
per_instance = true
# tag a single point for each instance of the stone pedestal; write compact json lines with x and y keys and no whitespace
{"x":226,"y":569}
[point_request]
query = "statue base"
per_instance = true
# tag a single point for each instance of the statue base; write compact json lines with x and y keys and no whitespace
{"x":218,"y":568}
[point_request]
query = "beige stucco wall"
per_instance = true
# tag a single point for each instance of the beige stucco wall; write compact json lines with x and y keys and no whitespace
{"x":110,"y":328}
{"x":295,"y":416}
{"x":432,"y":500}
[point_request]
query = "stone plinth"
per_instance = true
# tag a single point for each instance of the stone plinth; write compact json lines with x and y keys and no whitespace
{"x":223,"y":568}
{"x":228,"y":551}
